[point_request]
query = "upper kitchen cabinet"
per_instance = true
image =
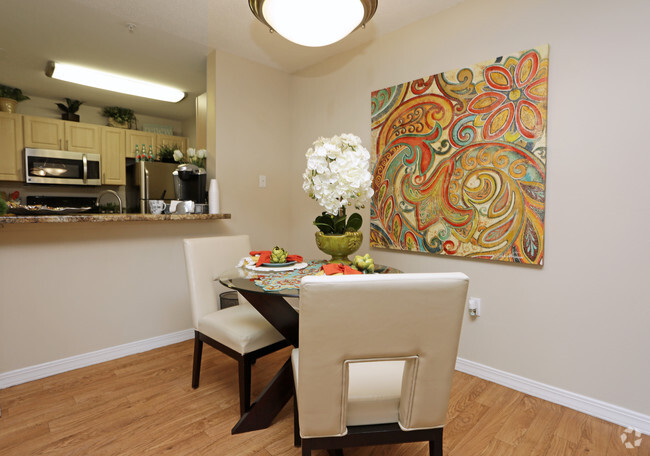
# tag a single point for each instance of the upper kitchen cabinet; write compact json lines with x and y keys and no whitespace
{"x":178,"y":141}
{"x":82,"y":137}
{"x":44,"y":133}
{"x":155,"y":140}
{"x":138,"y":138}
{"x":11,"y":147}
{"x":113,"y":154}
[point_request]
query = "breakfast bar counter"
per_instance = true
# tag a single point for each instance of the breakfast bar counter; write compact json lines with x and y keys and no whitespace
{"x":100,"y":218}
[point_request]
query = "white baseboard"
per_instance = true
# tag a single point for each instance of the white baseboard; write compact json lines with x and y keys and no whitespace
{"x":28,"y":374}
{"x":594,"y":407}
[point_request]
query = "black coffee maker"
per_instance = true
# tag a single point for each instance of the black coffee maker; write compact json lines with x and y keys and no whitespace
{"x":189,"y":183}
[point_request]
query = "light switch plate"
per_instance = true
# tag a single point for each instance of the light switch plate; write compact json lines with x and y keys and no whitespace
{"x":474,"y":307}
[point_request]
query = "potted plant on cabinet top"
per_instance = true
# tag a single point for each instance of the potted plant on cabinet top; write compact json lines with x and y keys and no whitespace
{"x":9,"y":97}
{"x":69,"y":110}
{"x":166,"y":153}
{"x":337,"y":176}
{"x":119,"y":117}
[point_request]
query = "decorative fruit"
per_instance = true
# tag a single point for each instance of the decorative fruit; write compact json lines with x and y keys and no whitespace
{"x":278,"y":255}
{"x":364,"y":263}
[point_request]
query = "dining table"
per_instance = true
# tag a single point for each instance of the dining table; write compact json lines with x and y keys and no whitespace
{"x":267,"y":289}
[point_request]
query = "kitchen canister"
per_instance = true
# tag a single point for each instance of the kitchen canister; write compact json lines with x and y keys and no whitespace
{"x":213,"y":197}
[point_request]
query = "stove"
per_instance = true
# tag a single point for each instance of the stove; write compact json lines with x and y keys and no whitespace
{"x":64,"y":201}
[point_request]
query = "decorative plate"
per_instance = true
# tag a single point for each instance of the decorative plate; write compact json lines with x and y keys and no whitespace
{"x":290,"y":267}
{"x":278,"y":265}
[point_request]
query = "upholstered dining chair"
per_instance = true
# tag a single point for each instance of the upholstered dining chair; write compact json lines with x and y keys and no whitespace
{"x":239,"y":331}
{"x":376,"y":359}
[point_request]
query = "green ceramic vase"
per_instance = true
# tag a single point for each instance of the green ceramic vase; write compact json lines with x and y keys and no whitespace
{"x":339,"y":246}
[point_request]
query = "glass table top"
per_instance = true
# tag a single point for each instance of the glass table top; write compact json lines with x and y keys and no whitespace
{"x":242,"y":279}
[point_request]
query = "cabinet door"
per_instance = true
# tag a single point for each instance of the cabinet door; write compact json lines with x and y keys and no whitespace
{"x":43,"y":133}
{"x":113,"y":156}
{"x":82,"y":137}
{"x":11,"y":147}
{"x":178,"y":141}
{"x":135,"y":137}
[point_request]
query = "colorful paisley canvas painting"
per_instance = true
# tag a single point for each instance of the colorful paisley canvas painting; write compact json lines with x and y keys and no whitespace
{"x":460,"y":161}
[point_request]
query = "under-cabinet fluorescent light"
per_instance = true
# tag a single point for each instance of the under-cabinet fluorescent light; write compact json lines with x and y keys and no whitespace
{"x":112,"y":82}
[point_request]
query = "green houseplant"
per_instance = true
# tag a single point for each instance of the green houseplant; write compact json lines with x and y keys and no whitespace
{"x":9,"y":97}
{"x":119,"y":117}
{"x":69,"y":110}
{"x":166,"y":153}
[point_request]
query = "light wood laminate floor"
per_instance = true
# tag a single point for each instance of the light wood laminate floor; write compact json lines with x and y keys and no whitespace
{"x":144,"y":405}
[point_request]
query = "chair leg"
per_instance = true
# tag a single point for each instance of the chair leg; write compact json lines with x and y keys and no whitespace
{"x":196,"y":367}
{"x":244,"y":384}
{"x":296,"y":423}
{"x":435,"y":446}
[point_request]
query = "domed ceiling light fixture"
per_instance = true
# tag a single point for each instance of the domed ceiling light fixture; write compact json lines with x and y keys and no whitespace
{"x":313,"y":23}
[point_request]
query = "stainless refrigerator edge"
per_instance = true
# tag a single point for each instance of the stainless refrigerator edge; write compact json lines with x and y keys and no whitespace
{"x":149,"y":180}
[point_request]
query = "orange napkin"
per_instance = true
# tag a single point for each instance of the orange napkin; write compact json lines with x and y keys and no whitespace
{"x":338,"y":268}
{"x":265,"y":257}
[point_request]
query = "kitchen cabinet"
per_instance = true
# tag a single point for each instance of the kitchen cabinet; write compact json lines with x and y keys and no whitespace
{"x":113,"y":155}
{"x":82,"y":137}
{"x":11,"y":147}
{"x":138,"y":138}
{"x":113,"y":144}
{"x":166,"y":140}
{"x":44,"y":133}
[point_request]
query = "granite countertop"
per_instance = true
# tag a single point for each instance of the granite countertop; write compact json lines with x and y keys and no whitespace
{"x":94,"y":218}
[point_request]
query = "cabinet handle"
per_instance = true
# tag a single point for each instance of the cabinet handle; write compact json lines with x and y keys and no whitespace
{"x":60,"y":146}
{"x":66,"y":145}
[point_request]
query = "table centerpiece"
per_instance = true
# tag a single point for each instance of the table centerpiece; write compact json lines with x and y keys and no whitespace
{"x":337,"y":176}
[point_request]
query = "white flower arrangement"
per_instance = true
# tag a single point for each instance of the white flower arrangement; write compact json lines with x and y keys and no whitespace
{"x":338,"y":175}
{"x":195,"y":157}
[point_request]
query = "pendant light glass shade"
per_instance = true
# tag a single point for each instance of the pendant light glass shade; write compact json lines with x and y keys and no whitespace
{"x":313,"y":22}
{"x":113,"y":82}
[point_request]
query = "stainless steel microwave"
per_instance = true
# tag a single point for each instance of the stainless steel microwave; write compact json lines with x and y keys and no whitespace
{"x":43,"y":166}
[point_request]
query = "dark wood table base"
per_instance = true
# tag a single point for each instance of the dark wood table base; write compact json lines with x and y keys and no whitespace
{"x":281,"y":388}
{"x":276,"y":394}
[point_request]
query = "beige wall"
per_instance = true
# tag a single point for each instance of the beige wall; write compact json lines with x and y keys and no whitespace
{"x":73,"y":288}
{"x":580,"y":322}
{"x":248,"y":106}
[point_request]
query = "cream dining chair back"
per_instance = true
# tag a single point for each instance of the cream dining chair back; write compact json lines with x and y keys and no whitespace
{"x":376,"y":358}
{"x":240,"y":332}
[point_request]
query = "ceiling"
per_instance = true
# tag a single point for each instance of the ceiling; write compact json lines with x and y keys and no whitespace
{"x":169,"y":44}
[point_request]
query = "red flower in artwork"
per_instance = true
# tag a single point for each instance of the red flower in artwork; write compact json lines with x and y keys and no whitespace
{"x":509,"y":98}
